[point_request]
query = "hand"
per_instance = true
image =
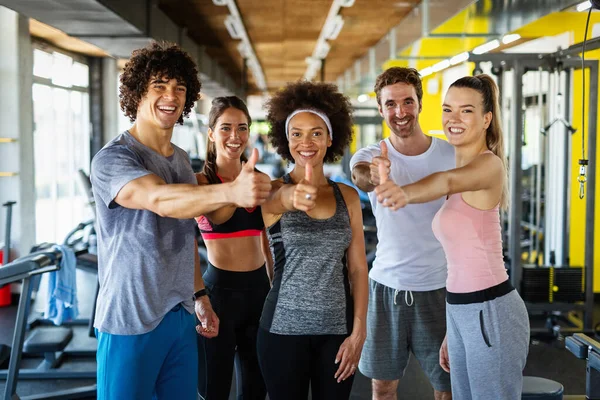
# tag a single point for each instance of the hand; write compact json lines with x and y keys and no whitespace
{"x":251,"y":188}
{"x":348,"y":356}
{"x":380,"y":166}
{"x":391,"y":195}
{"x":304,"y":197}
{"x":209,"y":322}
{"x":444,"y":359}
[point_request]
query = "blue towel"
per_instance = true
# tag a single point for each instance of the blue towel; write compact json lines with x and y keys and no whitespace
{"x":62,"y":289}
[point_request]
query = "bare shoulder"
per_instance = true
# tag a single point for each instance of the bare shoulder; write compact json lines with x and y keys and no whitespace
{"x":491,"y":161}
{"x":201,"y":179}
{"x":349,"y":193}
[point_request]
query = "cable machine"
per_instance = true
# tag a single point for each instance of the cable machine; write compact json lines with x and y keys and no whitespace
{"x":553,"y":288}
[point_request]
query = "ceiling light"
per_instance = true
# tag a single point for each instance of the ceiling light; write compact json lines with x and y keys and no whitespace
{"x":322,"y":50}
{"x":484,"y":48}
{"x":233,"y":27}
{"x":510,"y":38}
{"x":334,"y":28}
{"x":584,"y":6}
{"x":459,"y":58}
{"x":346,"y":3}
{"x":331,"y":29}
{"x":440,"y":66}
{"x":363,"y":98}
{"x":237,"y":30}
{"x":426,"y":71}
{"x":243,"y":49}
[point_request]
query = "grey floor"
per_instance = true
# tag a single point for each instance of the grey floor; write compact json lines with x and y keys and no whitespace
{"x":546,"y":359}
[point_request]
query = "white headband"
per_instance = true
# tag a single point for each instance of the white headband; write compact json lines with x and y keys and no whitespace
{"x":312,"y":111}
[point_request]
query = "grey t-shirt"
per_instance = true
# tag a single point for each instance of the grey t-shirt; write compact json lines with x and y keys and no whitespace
{"x":145,"y":261}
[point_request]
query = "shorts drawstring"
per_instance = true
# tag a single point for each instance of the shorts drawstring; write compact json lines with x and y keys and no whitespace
{"x":406,"y":295}
{"x":412,"y":299}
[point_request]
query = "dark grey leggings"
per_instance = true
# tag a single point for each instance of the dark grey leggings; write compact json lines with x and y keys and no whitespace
{"x":237,"y":298}
{"x":488,"y":344}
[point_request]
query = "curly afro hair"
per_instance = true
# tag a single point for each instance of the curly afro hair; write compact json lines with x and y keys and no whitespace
{"x":321,"y":96}
{"x":158,"y":59}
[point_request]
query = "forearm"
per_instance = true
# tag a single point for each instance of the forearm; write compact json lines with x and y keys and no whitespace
{"x":360,"y":294}
{"x":189,"y":201}
{"x":361,"y":177}
{"x":428,"y":189}
{"x":281,"y":201}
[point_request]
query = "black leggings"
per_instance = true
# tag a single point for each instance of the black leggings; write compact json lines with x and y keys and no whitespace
{"x":237,"y":298}
{"x":290,"y":363}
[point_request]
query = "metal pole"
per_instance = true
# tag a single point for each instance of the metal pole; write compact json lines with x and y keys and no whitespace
{"x":566,"y":188}
{"x":96,"y":105}
{"x":516,"y":176}
{"x":8,"y":205}
{"x":591,"y":194}
{"x":542,"y":161}
{"x":17,"y":342}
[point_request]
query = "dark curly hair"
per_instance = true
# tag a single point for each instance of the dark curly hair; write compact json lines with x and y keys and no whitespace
{"x":158,"y":59}
{"x":394,"y":75}
{"x":320,"y":96}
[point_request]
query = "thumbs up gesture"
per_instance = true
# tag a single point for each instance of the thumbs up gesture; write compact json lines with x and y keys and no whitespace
{"x":251,"y":187}
{"x":388,"y":193}
{"x":380,"y":166}
{"x":304,"y":197}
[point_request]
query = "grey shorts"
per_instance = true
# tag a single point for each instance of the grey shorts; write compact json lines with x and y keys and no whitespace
{"x":401,"y":322}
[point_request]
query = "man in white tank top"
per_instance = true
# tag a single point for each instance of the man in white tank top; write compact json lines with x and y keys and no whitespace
{"x":407,"y":282}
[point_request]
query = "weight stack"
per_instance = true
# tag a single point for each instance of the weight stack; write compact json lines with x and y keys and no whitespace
{"x":552,"y":284}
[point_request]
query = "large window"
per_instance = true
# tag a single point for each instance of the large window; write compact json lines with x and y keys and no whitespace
{"x":61,"y":141}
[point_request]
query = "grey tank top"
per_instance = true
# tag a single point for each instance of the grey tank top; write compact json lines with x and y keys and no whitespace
{"x":311,"y":291}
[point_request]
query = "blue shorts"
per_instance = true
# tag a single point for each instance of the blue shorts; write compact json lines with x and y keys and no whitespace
{"x":160,"y":364}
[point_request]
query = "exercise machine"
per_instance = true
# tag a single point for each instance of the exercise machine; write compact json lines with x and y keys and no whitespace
{"x":23,"y":270}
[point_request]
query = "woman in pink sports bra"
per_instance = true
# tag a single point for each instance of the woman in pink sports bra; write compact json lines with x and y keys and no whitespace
{"x":487,"y":338}
{"x":236,"y":276}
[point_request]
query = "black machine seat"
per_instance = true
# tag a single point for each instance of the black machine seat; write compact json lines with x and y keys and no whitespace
{"x":535,"y":388}
{"x":48,"y":340}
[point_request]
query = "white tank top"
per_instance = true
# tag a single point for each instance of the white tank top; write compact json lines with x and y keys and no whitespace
{"x":409,"y":257}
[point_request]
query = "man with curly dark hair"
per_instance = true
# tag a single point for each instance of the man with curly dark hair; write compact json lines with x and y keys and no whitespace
{"x":312,"y":327}
{"x":408,"y":278}
{"x":148,"y":266}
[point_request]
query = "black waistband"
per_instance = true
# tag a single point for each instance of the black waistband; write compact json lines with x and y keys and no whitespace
{"x":246,"y":280}
{"x":480,"y":296}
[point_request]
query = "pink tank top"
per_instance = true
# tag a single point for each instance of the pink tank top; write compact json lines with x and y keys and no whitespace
{"x":472,"y":241}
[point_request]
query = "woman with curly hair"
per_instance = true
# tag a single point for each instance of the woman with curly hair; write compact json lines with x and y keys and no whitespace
{"x":237,"y":286}
{"x":313,"y":326}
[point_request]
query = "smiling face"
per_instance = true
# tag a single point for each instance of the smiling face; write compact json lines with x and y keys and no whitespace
{"x":230,"y":133}
{"x":308,"y":139}
{"x":163,"y":103}
{"x":464,"y":118}
{"x":400,"y":108}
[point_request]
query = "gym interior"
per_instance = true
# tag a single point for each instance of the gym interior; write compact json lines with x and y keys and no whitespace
{"x":59,"y":76}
